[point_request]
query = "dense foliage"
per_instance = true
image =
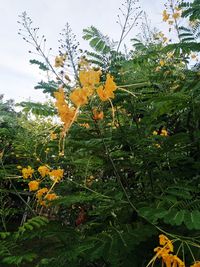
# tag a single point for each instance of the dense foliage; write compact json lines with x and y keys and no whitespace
{"x":112,"y":161}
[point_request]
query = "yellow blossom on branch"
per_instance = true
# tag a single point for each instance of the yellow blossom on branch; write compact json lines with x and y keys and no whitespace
{"x":107,"y":91}
{"x":51,"y":197}
{"x":85,"y":125}
{"x":56,"y":175}
{"x":27,"y":172}
{"x":43,"y":170}
{"x":58,"y":62}
{"x":162,"y":62}
{"x":67,"y":114}
{"x":165,"y":252}
{"x":33,"y":185}
{"x":164,"y":132}
{"x":53,"y":136}
{"x":176,"y":15}
{"x":97,"y":115}
{"x":89,"y":78}
{"x":79,"y":97}
{"x":41,"y":192}
{"x":165,"y":15}
{"x":196,"y":264}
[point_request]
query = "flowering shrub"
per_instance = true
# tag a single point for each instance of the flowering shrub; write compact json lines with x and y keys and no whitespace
{"x":111,"y":162}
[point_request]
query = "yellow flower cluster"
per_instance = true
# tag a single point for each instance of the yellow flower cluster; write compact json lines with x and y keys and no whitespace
{"x":56,"y":175}
{"x":160,"y":36}
{"x":67,"y":114}
{"x":89,"y":80}
{"x":51,"y":196}
{"x":53,"y":136}
{"x":59,"y":61}
{"x":89,"y":181}
{"x":43,"y":194}
{"x":165,"y":253}
{"x":107,"y":91}
{"x":27,"y":172}
{"x":33,"y":185}
{"x":196,"y":264}
{"x":97,"y":115}
{"x":162,"y":133}
{"x":41,"y":197}
{"x":176,"y":14}
{"x":165,"y":15}
{"x":85,"y":125}
{"x":43,"y":170}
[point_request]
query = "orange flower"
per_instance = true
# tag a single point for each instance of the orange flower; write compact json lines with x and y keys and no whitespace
{"x":41,"y":192}
{"x":56,"y":175}
{"x":103,"y":94}
{"x":97,"y":115}
{"x":85,"y":125}
{"x":79,"y":97}
{"x":33,"y":185}
{"x":43,"y":170}
{"x":106,"y":92}
{"x":51,"y":196}
{"x":66,"y":113}
{"x":89,"y":78}
{"x":196,"y":264}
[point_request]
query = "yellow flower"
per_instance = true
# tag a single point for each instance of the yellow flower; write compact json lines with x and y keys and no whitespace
{"x":103,"y":94}
{"x":106,"y":92}
{"x":53,"y":136}
{"x":89,"y":78}
{"x":176,"y":15}
{"x":79,"y":97}
{"x":196,"y":264}
{"x":66,"y":113}
{"x":33,"y":185}
{"x":41,"y":192}
{"x":89,"y":180}
{"x":162,"y":62}
{"x":43,"y":203}
{"x":97,"y":115}
{"x":165,"y":39}
{"x":165,"y":15}
{"x":85,"y":125}
{"x":171,"y":22}
{"x":43,"y":170}
{"x":56,"y":175}
{"x":51,"y":196}
{"x":27,"y":172}
{"x":178,"y":261}
{"x":164,"y":132}
{"x":59,"y":61}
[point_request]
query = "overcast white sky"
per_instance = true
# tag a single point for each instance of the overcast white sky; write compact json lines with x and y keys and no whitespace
{"x":17,"y":76}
